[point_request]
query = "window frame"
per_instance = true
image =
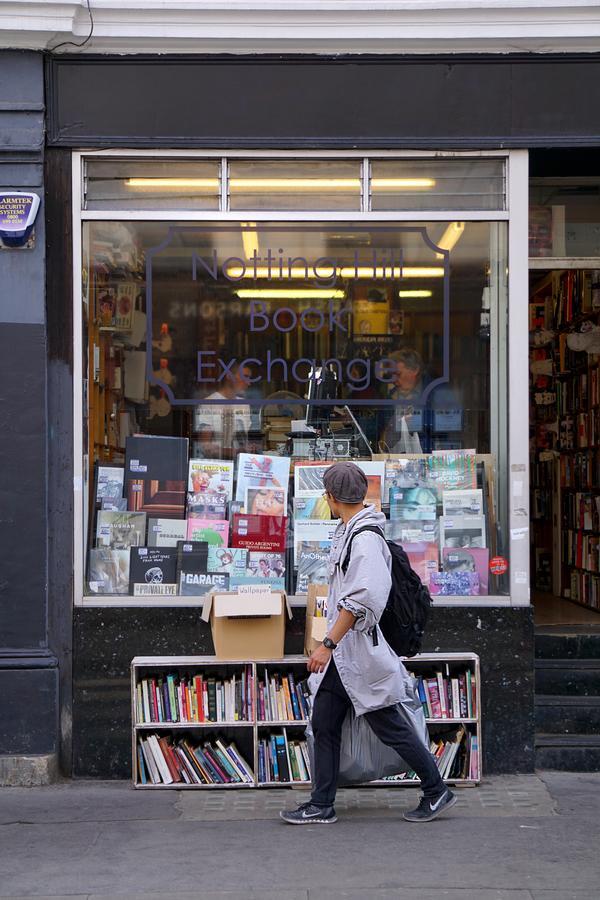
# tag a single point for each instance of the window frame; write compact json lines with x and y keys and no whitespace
{"x":509,"y":359}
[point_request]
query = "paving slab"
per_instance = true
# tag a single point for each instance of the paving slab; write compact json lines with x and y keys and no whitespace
{"x":210,"y":895}
{"x":420,"y":894}
{"x":573,"y":792}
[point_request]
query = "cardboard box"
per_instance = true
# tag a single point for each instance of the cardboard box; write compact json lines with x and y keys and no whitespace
{"x":247,"y":627}
{"x":316,"y":626}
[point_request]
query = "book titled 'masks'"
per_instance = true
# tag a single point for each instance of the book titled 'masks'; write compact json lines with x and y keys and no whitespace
{"x":265,"y":533}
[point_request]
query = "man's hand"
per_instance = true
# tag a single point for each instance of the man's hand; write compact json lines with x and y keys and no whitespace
{"x":318,"y":659}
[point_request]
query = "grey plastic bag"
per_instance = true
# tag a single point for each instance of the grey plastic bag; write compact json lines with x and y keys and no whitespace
{"x":363,"y":757}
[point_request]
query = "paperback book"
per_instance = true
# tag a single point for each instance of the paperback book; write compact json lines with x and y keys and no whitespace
{"x":474,"y":559}
{"x":462,"y":531}
{"x":212,"y":478}
{"x":308,"y":479}
{"x":410,"y":532}
{"x":152,"y":458}
{"x":261,"y":471}
{"x":212,"y":531}
{"x":263,"y":567}
{"x":152,"y":571}
{"x":410,"y":504}
{"x":116,"y":504}
{"x":200,"y":506}
{"x":166,"y":532}
{"x":162,"y":499}
{"x":463,"y":503}
{"x":120,"y":530}
{"x":424,"y":558}
{"x":259,"y":533}
{"x":108,"y":571}
{"x":453,"y":469}
{"x":313,"y":559}
{"x":109,"y":482}
{"x":312,"y":530}
{"x":405,"y":472}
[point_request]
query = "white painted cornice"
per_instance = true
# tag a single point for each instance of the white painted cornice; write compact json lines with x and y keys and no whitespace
{"x":303,"y":26}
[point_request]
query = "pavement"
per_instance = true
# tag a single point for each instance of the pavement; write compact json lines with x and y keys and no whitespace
{"x":527,"y":837}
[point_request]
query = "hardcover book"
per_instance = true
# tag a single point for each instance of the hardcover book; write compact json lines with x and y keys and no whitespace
{"x":313,"y":530}
{"x":166,"y":532}
{"x":311,"y":508}
{"x":313,"y":558}
{"x":462,"y":531}
{"x":463,"y":503}
{"x":260,"y":533}
{"x":109,"y":483}
{"x":120,"y":530}
{"x":412,"y":504}
{"x":108,"y":571}
{"x":212,"y":478}
{"x":410,"y":532}
{"x":227,"y":561}
{"x":473,"y":559}
{"x":453,"y":469}
{"x":152,"y":458}
{"x":404,"y":473}
{"x":211,"y":531}
{"x":162,"y":499}
{"x":308,"y":479}
{"x":266,"y":502}
{"x":152,"y":571}
{"x":202,"y":507}
{"x":261,"y":471}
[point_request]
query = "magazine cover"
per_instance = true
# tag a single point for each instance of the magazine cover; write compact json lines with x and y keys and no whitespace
{"x":318,"y":530}
{"x":462,"y":531}
{"x":152,"y":571}
{"x":311,"y":508}
{"x":313,"y":558}
{"x":166,"y":532}
{"x":463,"y":503}
{"x":405,"y":473}
{"x":212,"y":478}
{"x":410,"y":532}
{"x":193,"y":577}
{"x":202,"y":507}
{"x":120,"y":530}
{"x":263,"y":568}
{"x":308,"y":479}
{"x":116,"y":504}
{"x":454,"y":584}
{"x":260,"y":471}
{"x":475,"y":559}
{"x":408,"y":504}
{"x":210,"y":531}
{"x":227,"y":561}
{"x":109,"y":484}
{"x":374,"y":491}
{"x":453,"y":469}
{"x":108,"y":571}
{"x":266,"y":502}
{"x":423,"y":557}
{"x":261,"y":533}
{"x":373,"y":468}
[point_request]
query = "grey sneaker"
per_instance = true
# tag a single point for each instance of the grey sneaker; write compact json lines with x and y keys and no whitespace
{"x":309,"y":814}
{"x":428,"y":810}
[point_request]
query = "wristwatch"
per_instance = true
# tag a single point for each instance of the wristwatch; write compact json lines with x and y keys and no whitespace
{"x":327,"y":642}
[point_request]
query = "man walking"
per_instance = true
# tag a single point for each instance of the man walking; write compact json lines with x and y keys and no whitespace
{"x":360,"y":669}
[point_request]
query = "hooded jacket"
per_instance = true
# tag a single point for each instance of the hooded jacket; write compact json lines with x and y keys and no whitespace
{"x":372,"y":674}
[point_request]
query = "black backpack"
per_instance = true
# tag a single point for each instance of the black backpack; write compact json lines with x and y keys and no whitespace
{"x":404,"y":618}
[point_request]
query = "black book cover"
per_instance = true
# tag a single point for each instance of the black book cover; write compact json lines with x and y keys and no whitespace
{"x":152,"y":570}
{"x":152,"y":458}
{"x":211,"y":688}
{"x":193,"y":578}
{"x":284,"y":772}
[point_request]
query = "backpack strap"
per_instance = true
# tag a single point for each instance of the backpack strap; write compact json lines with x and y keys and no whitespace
{"x":374,"y":528}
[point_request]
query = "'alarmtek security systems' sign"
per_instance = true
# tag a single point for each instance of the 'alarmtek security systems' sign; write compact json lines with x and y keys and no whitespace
{"x":18,"y":211}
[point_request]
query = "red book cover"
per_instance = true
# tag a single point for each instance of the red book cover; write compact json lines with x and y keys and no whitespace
{"x":199,"y":697}
{"x":153,"y":701}
{"x":166,"y":752}
{"x":434,"y":698}
{"x":261,"y":533}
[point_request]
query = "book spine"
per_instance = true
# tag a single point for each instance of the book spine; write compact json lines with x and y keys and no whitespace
{"x":293,"y":697}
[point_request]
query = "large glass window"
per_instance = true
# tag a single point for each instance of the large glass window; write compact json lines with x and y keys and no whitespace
{"x":229,"y":362}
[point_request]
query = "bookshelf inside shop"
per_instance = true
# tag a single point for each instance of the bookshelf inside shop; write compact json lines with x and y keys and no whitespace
{"x":201,"y":722}
{"x":565,"y":406}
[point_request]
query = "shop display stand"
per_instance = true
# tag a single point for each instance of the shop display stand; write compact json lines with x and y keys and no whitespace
{"x":247,"y":734}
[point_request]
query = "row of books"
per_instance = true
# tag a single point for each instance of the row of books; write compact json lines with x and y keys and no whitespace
{"x":195,"y":698}
{"x":281,"y":760}
{"x":581,"y":510}
{"x":573,"y":297}
{"x":456,"y":756}
{"x":581,"y":549}
{"x":448,"y":696}
{"x":579,"y":392}
{"x":162,"y":760}
{"x":588,"y":429}
{"x":584,"y":587}
{"x":580,"y":470}
{"x":280,"y":699}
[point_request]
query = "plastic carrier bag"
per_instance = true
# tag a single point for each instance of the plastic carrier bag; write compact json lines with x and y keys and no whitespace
{"x":363,"y":757}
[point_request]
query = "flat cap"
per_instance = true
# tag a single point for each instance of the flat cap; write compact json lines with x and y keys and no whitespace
{"x":346,"y":482}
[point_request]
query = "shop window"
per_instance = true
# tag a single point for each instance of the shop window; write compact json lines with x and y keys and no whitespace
{"x":152,"y":184}
{"x":564,"y":217}
{"x":229,"y":362}
{"x":437,"y":184}
{"x":295,"y":184}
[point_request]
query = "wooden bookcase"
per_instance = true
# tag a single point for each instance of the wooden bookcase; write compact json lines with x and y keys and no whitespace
{"x":247,"y":734}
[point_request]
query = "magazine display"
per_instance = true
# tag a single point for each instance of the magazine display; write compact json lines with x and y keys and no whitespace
{"x":152,"y":572}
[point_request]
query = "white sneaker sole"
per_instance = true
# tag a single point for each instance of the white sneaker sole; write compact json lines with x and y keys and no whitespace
{"x":434,"y":815}
{"x":311,"y":821}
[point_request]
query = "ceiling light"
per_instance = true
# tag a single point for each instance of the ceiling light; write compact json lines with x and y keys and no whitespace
{"x":449,"y":238}
{"x":294,"y":184}
{"x":206,"y":183}
{"x":401,"y":184}
{"x":406,"y":295}
{"x":249,"y":239}
{"x":290,"y":293}
{"x":300,"y":272}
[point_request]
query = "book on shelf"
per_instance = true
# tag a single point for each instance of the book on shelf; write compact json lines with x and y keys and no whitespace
{"x":463,"y":503}
{"x":447,"y":696}
{"x":265,"y":501}
{"x":468,"y":559}
{"x":198,"y":506}
{"x":281,"y":698}
{"x":462,"y":531}
{"x":282,"y":760}
{"x":109,"y":482}
{"x":455,"y":755}
{"x":313,"y":559}
{"x":228,"y":561}
{"x":197,"y":697}
{"x":262,"y":567}
{"x":169,"y":761}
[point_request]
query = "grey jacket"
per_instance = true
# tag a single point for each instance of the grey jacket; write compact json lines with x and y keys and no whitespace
{"x":373,"y":675}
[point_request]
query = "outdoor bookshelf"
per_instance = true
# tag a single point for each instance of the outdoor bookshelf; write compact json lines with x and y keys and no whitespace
{"x":248,"y":733}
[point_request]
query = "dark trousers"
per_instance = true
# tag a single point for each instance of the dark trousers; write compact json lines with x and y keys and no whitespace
{"x":329,"y":711}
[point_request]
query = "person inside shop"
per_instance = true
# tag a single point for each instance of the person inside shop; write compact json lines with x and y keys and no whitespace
{"x":350,"y":668}
{"x":222,"y":430}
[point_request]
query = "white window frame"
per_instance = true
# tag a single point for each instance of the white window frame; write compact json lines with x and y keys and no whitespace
{"x":516,"y":213}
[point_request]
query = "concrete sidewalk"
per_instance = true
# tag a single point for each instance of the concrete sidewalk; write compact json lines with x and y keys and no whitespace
{"x":514,"y":838}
